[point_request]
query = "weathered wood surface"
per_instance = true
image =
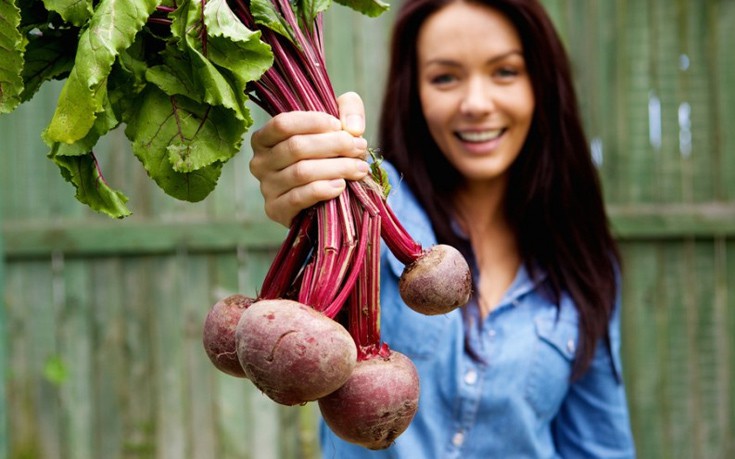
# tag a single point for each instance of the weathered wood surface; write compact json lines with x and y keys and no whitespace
{"x":101,"y":320}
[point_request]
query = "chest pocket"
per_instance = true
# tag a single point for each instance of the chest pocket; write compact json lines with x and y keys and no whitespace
{"x":551,"y":366}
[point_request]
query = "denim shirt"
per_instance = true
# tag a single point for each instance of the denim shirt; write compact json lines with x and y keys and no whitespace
{"x":517,"y":400}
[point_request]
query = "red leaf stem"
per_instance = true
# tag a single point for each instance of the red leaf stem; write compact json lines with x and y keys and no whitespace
{"x":354,"y":269}
{"x":290,"y":257}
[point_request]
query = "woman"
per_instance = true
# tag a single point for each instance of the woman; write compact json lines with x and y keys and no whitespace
{"x":481,"y":127}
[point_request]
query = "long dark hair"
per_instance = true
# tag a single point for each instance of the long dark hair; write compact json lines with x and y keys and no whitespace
{"x":554,"y":198}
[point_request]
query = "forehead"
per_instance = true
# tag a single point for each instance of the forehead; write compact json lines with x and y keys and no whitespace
{"x":466,"y":28}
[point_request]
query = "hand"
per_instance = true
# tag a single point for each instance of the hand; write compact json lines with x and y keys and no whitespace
{"x":302,"y":158}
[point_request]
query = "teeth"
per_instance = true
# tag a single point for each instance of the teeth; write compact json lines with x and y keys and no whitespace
{"x":480,"y":136}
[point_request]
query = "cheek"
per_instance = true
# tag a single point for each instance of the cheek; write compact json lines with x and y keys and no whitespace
{"x":526,"y":106}
{"x":435,"y":116}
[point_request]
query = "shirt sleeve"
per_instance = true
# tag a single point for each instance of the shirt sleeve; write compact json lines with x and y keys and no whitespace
{"x":593,"y":421}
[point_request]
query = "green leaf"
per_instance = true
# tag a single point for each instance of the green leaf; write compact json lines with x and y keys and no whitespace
{"x":265,"y":14}
{"x":174,"y":76}
{"x":79,"y":166}
{"x":83,"y":172}
{"x":76,"y":12}
{"x":379,"y":174}
{"x":372,"y":8}
{"x":213,"y":87}
{"x":181,"y":143}
{"x":47,"y":57}
{"x":233,"y":46}
{"x":104,"y":123}
{"x":308,"y":10}
{"x":111,"y":30}
{"x":12,"y":46}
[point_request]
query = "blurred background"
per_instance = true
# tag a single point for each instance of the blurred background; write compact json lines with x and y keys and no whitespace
{"x":100,"y":322}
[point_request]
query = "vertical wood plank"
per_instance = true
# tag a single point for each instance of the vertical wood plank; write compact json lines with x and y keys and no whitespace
{"x":723,"y":73}
{"x":138,"y":280}
{"x":168,"y":358}
{"x":39,"y":307}
{"x":79,"y":391}
{"x":636,"y":86}
{"x":195,"y":302}
{"x":641,"y":315}
{"x":4,"y":363}
{"x":108,"y":308}
{"x":727,"y":261}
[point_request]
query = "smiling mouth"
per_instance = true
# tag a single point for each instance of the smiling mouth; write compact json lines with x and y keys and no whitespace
{"x":479,"y":136}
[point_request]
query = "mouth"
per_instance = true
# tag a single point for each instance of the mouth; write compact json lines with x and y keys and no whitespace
{"x":479,"y":136}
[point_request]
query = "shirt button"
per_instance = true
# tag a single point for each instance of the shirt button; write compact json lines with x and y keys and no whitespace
{"x":491,"y":332}
{"x":470,"y":377}
{"x":458,"y":439}
{"x":570,"y":346}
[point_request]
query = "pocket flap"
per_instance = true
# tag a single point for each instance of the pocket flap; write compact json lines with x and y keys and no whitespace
{"x":559,"y":334}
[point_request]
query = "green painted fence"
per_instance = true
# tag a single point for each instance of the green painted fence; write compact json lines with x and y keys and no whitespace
{"x":101,"y":320}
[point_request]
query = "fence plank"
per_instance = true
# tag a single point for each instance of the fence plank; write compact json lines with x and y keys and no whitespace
{"x":83,"y":382}
{"x":4,"y":366}
{"x":723,"y":71}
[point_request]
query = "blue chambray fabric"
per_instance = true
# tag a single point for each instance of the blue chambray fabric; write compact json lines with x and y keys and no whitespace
{"x":518,"y":401}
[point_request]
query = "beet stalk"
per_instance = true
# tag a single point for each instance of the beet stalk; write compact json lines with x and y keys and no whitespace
{"x":379,"y":400}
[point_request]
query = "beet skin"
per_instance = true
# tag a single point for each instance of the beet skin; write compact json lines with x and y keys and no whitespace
{"x":293,"y":353}
{"x":376,"y":404}
{"x":438,"y":282}
{"x":219,"y":333}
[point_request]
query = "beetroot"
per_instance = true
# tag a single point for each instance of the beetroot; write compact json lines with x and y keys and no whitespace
{"x":436,"y":282}
{"x":219,"y":333}
{"x":376,"y":404}
{"x":293,"y":353}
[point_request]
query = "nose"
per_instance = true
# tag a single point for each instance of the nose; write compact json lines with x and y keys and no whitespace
{"x":477,"y":99}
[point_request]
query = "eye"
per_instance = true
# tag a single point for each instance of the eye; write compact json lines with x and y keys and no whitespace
{"x":506,"y":72}
{"x":442,"y":79}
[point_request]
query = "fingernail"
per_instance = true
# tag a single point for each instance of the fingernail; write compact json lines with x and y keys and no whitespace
{"x":363,"y":167}
{"x":337,"y":183}
{"x":355,"y":124}
{"x":360,"y":143}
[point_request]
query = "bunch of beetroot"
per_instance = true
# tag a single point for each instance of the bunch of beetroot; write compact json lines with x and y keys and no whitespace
{"x":290,"y":341}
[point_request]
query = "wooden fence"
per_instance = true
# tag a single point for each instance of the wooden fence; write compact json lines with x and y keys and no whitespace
{"x":100,"y":351}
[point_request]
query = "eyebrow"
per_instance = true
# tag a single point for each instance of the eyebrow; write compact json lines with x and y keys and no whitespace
{"x":492,"y":60}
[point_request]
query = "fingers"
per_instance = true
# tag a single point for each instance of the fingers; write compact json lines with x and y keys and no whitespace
{"x":307,"y":182}
{"x":285,"y":207}
{"x":303,"y":158}
{"x":285,"y":125}
{"x":296,"y":136}
{"x":352,"y":113}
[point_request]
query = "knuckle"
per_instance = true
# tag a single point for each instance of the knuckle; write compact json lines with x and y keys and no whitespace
{"x":300,"y":172}
{"x":293,"y":146}
{"x":280,"y":123}
{"x":254,"y":166}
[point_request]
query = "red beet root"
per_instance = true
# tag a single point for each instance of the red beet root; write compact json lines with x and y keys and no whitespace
{"x":293,"y":353}
{"x":376,"y":404}
{"x":437,"y":282}
{"x":219,"y":333}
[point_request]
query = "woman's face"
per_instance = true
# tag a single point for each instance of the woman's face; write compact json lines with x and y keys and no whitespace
{"x":475,"y":92}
